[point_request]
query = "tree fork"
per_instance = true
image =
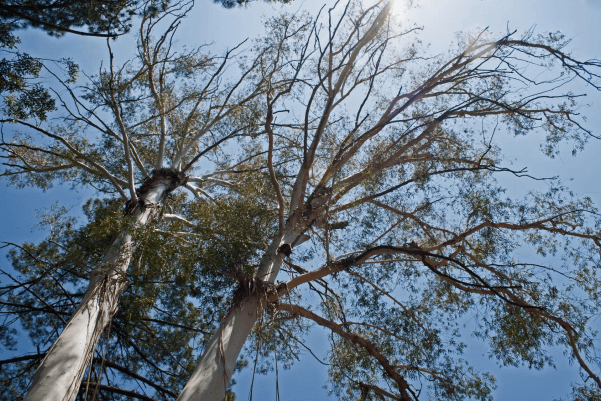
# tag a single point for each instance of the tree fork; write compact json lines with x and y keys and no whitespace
{"x":216,"y":366}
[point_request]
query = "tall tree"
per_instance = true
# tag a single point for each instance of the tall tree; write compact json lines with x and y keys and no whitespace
{"x":378,"y":141}
{"x":365,"y":154}
{"x":137,"y":131}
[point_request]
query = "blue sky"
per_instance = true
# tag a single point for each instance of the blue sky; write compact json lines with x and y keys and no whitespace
{"x":579,"y":20}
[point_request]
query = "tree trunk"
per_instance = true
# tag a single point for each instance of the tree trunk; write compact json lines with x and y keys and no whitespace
{"x":216,"y":366}
{"x":60,"y":374}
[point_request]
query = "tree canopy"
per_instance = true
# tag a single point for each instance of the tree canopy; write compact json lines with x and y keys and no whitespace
{"x":101,"y":17}
{"x":104,"y":18}
{"x":330,"y":173}
{"x":22,"y":96}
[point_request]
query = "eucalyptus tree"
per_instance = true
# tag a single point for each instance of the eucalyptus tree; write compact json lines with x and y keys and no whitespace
{"x":137,"y":131}
{"x":383,"y":166}
{"x":373,"y":170}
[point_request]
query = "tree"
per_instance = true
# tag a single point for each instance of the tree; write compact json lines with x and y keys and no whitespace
{"x":349,"y":167}
{"x":150,"y":342}
{"x":367,"y":156}
{"x":173,"y":102}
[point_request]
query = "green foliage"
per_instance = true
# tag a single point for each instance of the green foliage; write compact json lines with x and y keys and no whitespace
{"x":57,"y":17}
{"x":21,"y":98}
{"x":24,"y":98}
{"x":181,"y":283}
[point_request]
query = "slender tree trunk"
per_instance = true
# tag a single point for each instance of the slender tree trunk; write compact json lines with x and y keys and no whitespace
{"x":60,"y":374}
{"x":216,"y":366}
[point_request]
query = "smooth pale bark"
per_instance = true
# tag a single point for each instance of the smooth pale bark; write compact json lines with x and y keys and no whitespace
{"x":214,"y":370}
{"x":59,"y":376}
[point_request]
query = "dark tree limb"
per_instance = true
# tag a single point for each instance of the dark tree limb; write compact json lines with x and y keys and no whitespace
{"x":368,"y":346}
{"x":134,"y":375}
{"x":115,"y":390}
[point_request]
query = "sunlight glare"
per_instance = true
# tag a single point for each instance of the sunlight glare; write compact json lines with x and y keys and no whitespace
{"x":399,"y":9}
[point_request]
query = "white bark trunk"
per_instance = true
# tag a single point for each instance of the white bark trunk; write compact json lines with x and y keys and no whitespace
{"x":214,"y":370}
{"x":59,"y":376}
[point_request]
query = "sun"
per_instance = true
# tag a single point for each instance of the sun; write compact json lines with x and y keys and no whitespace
{"x":400,"y":9}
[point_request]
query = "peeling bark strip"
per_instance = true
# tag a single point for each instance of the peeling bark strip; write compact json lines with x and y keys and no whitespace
{"x":61,"y":371}
{"x":169,"y":178}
